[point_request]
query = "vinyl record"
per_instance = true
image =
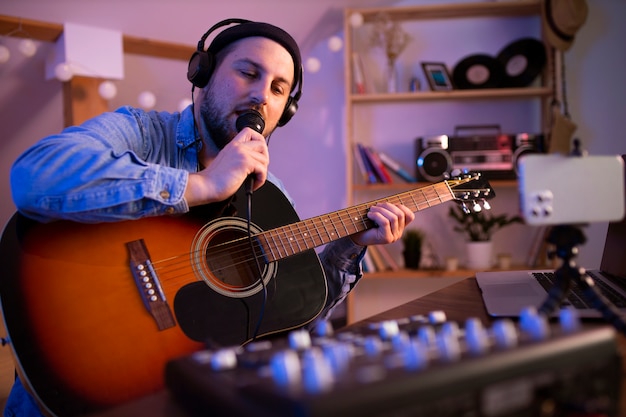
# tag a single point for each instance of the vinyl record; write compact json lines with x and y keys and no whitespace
{"x":522,"y":61}
{"x":477,"y":71}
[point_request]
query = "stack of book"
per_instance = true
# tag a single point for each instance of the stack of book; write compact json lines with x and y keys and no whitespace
{"x":379,"y":168}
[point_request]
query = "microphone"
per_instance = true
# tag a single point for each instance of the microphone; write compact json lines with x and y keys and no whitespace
{"x":252,"y":119}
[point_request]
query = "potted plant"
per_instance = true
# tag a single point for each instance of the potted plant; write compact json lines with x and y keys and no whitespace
{"x":479,"y":227}
{"x":412,"y":239}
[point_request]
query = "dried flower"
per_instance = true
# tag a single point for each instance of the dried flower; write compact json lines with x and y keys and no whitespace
{"x":390,"y":36}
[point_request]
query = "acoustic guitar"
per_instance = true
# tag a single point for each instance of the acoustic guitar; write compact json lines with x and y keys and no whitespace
{"x":95,"y":311}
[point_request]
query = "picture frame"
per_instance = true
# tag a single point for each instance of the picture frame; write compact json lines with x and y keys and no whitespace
{"x":438,"y":76}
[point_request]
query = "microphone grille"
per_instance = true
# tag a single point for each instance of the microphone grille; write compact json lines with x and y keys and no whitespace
{"x":251,"y":119}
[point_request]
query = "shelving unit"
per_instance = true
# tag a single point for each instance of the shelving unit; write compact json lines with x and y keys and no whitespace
{"x":416,"y":13}
{"x":539,"y":93}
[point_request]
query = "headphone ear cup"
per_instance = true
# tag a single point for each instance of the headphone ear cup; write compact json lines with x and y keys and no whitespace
{"x":200,"y":68}
{"x":290,"y":110}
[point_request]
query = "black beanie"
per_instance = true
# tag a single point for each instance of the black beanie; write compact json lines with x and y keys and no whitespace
{"x":265,"y":30}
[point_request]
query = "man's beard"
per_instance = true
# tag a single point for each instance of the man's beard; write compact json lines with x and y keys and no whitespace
{"x":217,"y":126}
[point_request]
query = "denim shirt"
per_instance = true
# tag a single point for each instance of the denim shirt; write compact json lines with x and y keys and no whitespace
{"x":129,"y":164}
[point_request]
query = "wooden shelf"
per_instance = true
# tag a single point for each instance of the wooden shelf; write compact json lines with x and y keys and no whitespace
{"x":449,"y":11}
{"x":50,"y":32}
{"x":491,"y":93}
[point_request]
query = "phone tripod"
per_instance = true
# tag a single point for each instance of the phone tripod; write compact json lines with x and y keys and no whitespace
{"x":566,"y":239}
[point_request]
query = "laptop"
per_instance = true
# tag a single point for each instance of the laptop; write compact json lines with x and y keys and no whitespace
{"x":507,"y":293}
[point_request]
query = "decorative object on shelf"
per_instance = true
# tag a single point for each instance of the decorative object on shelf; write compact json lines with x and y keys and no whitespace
{"x":504,"y":260}
{"x":522,"y":61}
{"x":437,"y":76}
{"x":479,"y":255}
{"x":412,"y":253}
{"x":479,"y":227}
{"x":517,"y":65}
{"x":452,"y":263}
{"x":478,"y":71}
{"x":390,"y":36}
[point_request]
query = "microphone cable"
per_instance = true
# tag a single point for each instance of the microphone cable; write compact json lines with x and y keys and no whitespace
{"x":253,"y":119}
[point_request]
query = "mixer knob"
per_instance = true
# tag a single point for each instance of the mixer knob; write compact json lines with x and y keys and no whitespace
{"x":224,"y":359}
{"x":426,"y":334}
{"x":299,"y":339}
{"x":437,"y":317}
{"x":285,"y":366}
{"x":451,"y":328}
{"x":448,"y":347}
{"x":569,"y":319}
{"x":389,"y":329}
{"x":476,"y":336}
{"x":338,"y":355}
{"x":316,"y":372}
{"x":534,"y":324}
{"x":400,"y":340}
{"x":373,"y":345}
{"x":324,"y":328}
{"x":416,"y":355}
{"x":504,"y":334}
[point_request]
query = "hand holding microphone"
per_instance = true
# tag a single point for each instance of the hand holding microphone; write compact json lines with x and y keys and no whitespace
{"x":252,"y":119}
{"x":222,"y":177}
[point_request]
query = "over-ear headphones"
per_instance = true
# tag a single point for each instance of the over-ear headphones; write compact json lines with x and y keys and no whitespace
{"x":202,"y":63}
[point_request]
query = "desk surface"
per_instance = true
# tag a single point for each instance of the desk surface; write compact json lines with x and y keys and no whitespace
{"x":459,"y":301}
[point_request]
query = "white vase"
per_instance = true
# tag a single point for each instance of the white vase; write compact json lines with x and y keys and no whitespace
{"x":392,"y":77}
{"x":479,"y":255}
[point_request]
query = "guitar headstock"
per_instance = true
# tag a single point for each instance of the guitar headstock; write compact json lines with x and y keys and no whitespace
{"x":471,"y":189}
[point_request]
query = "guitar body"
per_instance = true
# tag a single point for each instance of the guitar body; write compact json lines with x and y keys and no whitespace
{"x":81,"y":332}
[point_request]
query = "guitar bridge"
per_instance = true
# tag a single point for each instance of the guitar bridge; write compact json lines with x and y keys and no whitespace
{"x":148,"y":285}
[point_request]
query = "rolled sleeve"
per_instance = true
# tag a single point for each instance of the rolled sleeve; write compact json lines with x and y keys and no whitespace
{"x":341,"y":260}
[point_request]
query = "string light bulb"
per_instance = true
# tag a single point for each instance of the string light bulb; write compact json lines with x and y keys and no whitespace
{"x":63,"y":71}
{"x":183,"y":104}
{"x":147,"y":100}
{"x":107,"y":90}
{"x":313,"y":65}
{"x":27,"y":47}
{"x":5,"y":54}
{"x":335,"y":43}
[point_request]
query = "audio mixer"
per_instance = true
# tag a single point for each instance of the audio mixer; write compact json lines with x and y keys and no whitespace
{"x":415,"y":366}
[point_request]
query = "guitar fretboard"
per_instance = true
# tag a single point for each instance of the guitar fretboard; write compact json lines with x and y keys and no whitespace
{"x":316,"y":231}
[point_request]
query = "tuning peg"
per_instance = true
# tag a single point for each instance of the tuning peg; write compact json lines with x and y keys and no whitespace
{"x":486,"y":205}
{"x":465,"y":209}
{"x":477,"y":208}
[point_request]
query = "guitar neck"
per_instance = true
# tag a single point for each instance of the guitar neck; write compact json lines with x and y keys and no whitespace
{"x":307,"y":234}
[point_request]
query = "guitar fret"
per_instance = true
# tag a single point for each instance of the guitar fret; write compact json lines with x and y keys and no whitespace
{"x":289,"y":239}
{"x":333,"y":234}
{"x":344,"y":225}
{"x":315,"y":243}
{"x":354,"y":221}
{"x":295,"y":238}
{"x":275,"y":245}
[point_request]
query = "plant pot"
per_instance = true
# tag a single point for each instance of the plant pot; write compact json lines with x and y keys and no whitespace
{"x":479,"y":255}
{"x":412,"y":259}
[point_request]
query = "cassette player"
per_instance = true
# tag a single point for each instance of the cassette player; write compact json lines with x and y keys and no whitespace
{"x":486,"y":150}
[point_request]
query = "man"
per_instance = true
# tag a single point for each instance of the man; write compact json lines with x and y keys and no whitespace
{"x":130,"y":164}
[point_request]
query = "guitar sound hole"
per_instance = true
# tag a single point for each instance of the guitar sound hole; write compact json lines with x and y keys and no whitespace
{"x":221,"y":255}
{"x":230,"y":259}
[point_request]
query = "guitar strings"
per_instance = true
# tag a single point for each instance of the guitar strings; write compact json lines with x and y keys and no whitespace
{"x":290,"y":243}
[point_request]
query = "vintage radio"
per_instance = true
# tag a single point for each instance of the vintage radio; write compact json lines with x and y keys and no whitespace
{"x":494,"y":155}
